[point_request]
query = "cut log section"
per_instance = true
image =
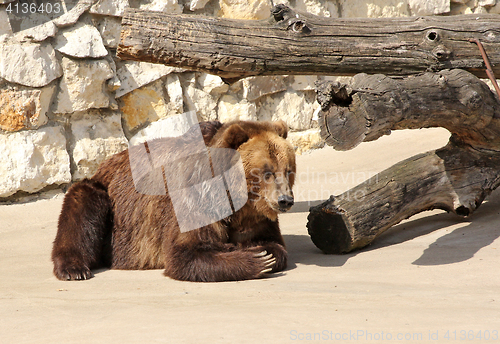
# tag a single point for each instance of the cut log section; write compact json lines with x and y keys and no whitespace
{"x":455,"y":178}
{"x":291,"y":42}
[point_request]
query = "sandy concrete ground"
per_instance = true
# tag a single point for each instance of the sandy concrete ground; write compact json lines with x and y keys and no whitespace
{"x":432,"y":278}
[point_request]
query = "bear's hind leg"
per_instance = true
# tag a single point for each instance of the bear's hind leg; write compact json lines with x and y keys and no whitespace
{"x":84,"y":231}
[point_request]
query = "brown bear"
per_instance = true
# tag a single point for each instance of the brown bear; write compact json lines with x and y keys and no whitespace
{"x":105,"y":222}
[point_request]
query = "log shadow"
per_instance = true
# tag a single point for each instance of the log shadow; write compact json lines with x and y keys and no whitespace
{"x":303,"y":251}
{"x":457,"y":246}
{"x":461,"y":244}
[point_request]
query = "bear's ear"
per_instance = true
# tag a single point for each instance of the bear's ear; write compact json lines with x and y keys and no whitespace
{"x":281,"y":128}
{"x":235,"y":136}
{"x":209,"y":129}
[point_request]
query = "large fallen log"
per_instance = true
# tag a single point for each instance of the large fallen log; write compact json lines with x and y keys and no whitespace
{"x":291,"y":42}
{"x":455,"y":178}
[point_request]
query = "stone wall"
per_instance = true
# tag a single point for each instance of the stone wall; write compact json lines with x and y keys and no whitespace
{"x":67,"y":103}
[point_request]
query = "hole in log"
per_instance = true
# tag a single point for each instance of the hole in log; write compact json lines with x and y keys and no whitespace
{"x":441,"y":52}
{"x":341,"y":99}
{"x":328,"y":93}
{"x":432,"y":36}
{"x":462,"y":211}
{"x":299,"y":26}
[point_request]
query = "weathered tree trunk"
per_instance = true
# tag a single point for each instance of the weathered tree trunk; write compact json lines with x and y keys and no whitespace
{"x":290,"y":42}
{"x":455,"y":178}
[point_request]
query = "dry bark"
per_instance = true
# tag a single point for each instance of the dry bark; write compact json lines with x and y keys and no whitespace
{"x":291,"y":42}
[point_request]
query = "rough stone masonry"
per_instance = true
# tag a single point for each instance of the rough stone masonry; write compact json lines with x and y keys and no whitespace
{"x":67,"y":103}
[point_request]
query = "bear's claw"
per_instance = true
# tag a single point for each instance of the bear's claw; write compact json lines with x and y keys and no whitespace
{"x":74,"y":274}
{"x":268,"y":261}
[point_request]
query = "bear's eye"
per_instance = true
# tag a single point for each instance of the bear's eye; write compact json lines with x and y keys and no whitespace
{"x":268,"y":176}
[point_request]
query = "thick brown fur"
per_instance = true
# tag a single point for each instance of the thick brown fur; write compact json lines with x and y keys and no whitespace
{"x":105,"y":222}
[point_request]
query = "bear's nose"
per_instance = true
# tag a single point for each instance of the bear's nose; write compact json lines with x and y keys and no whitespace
{"x":285,"y":202}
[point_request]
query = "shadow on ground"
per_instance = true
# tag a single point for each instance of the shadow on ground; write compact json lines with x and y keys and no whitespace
{"x":459,"y":245}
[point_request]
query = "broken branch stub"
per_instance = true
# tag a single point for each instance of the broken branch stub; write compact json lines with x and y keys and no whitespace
{"x":455,"y":178}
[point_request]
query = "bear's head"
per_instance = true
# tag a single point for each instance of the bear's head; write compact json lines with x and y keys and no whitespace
{"x":268,"y":160}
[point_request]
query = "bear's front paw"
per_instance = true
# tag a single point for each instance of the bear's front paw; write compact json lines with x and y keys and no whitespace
{"x":70,"y":272}
{"x":266,"y":262}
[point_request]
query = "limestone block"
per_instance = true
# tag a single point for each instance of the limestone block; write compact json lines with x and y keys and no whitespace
{"x":83,"y":85}
{"x":134,"y":74}
{"x":196,"y":99}
{"x":303,"y":82}
{"x":80,"y":40}
{"x":429,"y":7}
{"x":95,"y":137}
{"x":487,"y":3}
{"x":34,"y":27}
{"x":110,"y":7}
{"x":212,"y":84}
{"x":144,"y":105}
{"x":303,"y":141}
{"x":167,"y":6}
{"x":197,"y":4}
{"x":230,"y":108}
{"x":33,"y":31}
{"x":318,"y":7}
{"x":295,"y":108}
{"x":5,"y":28}
{"x":29,"y":64}
{"x":24,"y":109}
{"x":74,"y":14}
{"x":174,"y":92}
{"x":245,"y":9}
{"x":32,"y":160}
{"x":110,"y":28}
{"x":374,"y":8}
{"x":258,"y":86}
{"x":172,"y":126}
{"x":205,"y":104}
